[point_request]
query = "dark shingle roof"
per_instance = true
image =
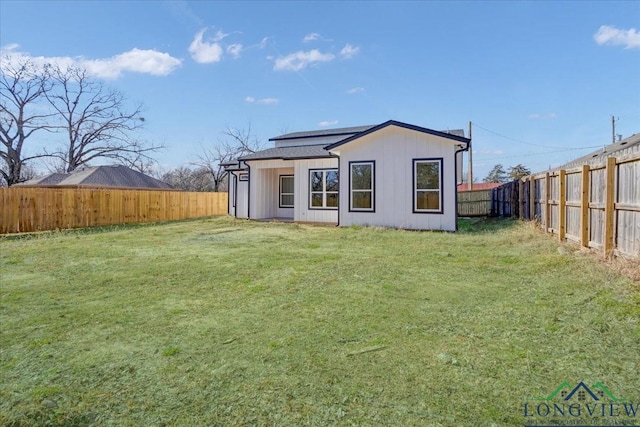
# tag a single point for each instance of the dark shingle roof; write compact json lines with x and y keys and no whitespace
{"x":319,"y":151}
{"x":100,"y":176}
{"x":324,"y":132}
{"x":289,"y":153}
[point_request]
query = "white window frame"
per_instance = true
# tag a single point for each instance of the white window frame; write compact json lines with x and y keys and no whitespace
{"x":416,"y":190}
{"x":280,"y":204}
{"x":371,"y":190}
{"x":324,"y":191}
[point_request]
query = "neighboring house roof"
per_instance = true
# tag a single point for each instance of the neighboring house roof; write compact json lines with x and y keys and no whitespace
{"x":450,"y":135}
{"x":479,"y":186}
{"x":99,"y":176}
{"x":290,"y":153}
{"x":626,"y":146}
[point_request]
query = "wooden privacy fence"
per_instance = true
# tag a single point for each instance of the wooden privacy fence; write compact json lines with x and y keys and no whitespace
{"x":474,"y":203}
{"x":26,"y":209}
{"x":596,"y":205}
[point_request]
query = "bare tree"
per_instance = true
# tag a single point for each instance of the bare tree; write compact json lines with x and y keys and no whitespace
{"x":23,"y":87}
{"x":95,"y":121}
{"x":236,"y":143}
{"x":187,"y":179}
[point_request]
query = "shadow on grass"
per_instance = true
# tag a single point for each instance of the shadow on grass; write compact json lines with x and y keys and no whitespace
{"x":485,"y":224}
{"x":97,"y":229}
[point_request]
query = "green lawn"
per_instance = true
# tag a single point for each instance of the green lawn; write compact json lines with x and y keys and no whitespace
{"x":226,"y":322}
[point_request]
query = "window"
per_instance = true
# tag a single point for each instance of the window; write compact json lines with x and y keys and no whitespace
{"x":427,"y":185}
{"x":361,"y":185}
{"x":286,"y":191}
{"x":323,"y":189}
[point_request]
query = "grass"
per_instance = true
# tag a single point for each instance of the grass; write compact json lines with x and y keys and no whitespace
{"x":224,"y":322}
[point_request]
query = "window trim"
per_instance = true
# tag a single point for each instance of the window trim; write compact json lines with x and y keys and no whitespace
{"x":414,"y":169}
{"x":324,"y":206}
{"x":280,"y":194}
{"x":244,"y":176}
{"x":373,"y":186}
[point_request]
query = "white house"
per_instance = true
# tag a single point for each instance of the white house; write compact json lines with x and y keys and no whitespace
{"x":391,"y":175}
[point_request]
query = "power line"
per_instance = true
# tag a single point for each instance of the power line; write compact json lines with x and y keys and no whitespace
{"x":529,"y":143}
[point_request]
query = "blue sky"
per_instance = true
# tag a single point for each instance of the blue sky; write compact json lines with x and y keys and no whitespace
{"x":539,"y":80}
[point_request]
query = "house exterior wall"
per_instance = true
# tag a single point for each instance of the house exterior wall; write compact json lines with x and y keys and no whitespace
{"x":393,"y":150}
{"x":238,"y":196}
{"x":302,"y":211}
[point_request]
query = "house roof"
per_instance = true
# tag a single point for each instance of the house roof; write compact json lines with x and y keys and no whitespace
{"x":626,"y":146}
{"x":99,"y":176}
{"x":456,"y":135}
{"x":290,"y":153}
{"x":321,"y":150}
{"x":322,"y":133}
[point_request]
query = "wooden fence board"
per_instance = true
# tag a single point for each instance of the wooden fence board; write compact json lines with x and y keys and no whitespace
{"x":27,"y":209}
{"x":597,"y":205}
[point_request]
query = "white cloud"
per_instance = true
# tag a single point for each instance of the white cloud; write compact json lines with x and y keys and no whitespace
{"x":537,"y":116}
{"x":355,"y":90}
{"x":263,"y":101}
{"x":263,"y":42}
{"x":298,"y":60}
{"x":235,"y":50}
{"x":326,"y":123}
{"x":608,"y":35}
{"x":143,"y":61}
{"x":311,"y":37}
{"x":205,"y":52}
{"x":349,"y":51}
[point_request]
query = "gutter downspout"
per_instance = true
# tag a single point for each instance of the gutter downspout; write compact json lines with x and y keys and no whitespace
{"x":249,"y":190}
{"x":455,"y":166}
{"x":339,"y":184}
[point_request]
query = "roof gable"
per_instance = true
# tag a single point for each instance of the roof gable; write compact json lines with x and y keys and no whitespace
{"x":454,"y":135}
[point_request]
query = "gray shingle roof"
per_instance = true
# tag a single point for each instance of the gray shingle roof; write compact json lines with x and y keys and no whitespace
{"x":319,"y":151}
{"x":626,"y":146}
{"x":100,"y":176}
{"x":324,"y":132}
{"x":290,"y":153}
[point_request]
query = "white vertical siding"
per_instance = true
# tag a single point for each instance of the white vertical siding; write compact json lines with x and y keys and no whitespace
{"x":238,"y":196}
{"x":302,"y":212}
{"x":393,"y":150}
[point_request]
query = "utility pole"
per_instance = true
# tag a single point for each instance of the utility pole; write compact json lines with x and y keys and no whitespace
{"x":470,"y":177}
{"x":613,"y":129}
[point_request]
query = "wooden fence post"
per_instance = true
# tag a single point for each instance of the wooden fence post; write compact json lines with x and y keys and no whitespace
{"x":584,"y":206}
{"x":521,"y":198}
{"x":532,"y":197}
{"x":609,"y":207}
{"x":562,"y":206}
{"x":547,"y":207}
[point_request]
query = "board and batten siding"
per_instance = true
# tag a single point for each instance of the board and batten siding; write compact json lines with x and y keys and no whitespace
{"x":238,"y":196}
{"x":302,"y":212}
{"x":393,"y":149}
{"x":264,"y":180}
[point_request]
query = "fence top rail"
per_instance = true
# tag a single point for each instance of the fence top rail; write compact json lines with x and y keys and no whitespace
{"x":93,"y":187}
{"x":476,"y":191}
{"x":627,"y":158}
